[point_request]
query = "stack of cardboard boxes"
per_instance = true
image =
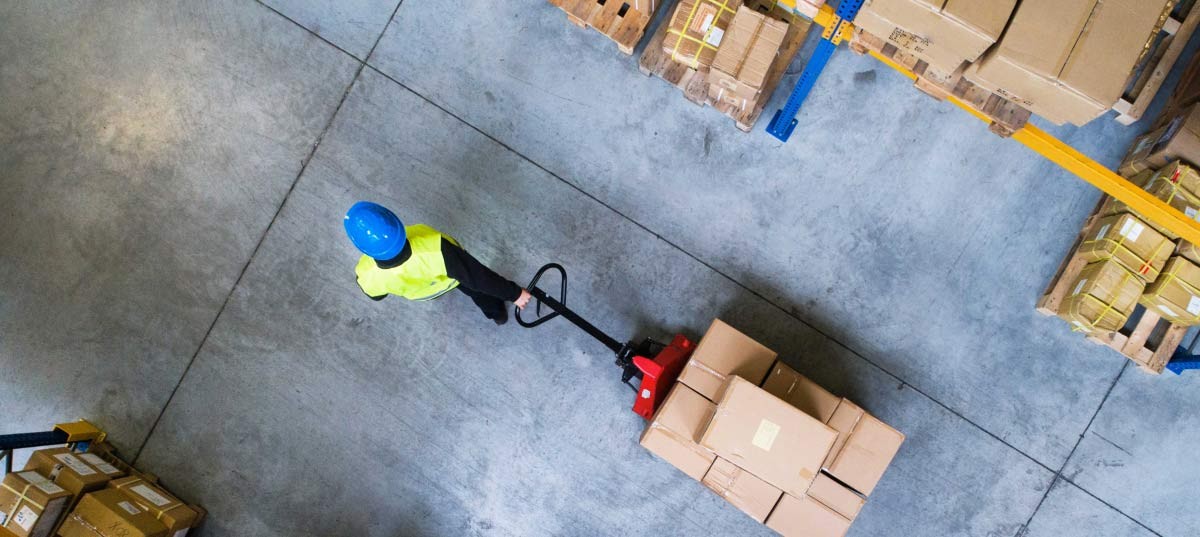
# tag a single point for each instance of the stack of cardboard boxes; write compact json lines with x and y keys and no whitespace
{"x":1161,"y":162}
{"x":1068,"y":61}
{"x":789,"y":453}
{"x":731,"y":43}
{"x":69,"y":494}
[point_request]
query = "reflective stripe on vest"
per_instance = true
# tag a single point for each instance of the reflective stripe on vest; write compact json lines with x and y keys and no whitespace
{"x":421,"y":277}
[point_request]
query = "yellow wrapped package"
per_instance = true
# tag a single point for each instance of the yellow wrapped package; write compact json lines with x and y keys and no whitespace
{"x":1132,"y":243}
{"x":1162,"y":187}
{"x":1176,"y":294}
{"x":1103,"y":298}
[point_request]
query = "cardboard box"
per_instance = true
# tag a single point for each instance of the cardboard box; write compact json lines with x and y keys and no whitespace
{"x":722,"y":97}
{"x":806,"y":517}
{"x":768,"y":437}
{"x":30,"y":504}
{"x":752,"y":495}
{"x":1179,"y":139}
{"x":109,"y":513}
{"x":724,"y":352}
{"x":864,"y":448}
{"x":168,"y":509}
{"x":800,"y":392}
{"x":1162,"y":187}
{"x":747,"y":51}
{"x":1103,"y":298}
{"x":1069,"y":60}
{"x":836,"y":496}
{"x":805,"y":8}
{"x":697,"y":29}
{"x":1131,"y":242}
{"x":1188,"y":251}
{"x":1175,"y":295}
{"x":944,"y":33}
{"x":675,"y":429}
{"x":72,"y":471}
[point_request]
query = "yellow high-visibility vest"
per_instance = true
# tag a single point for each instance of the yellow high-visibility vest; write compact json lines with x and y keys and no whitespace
{"x":421,"y":277}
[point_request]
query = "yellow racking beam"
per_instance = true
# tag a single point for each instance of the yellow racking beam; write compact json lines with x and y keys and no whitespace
{"x":1140,"y":201}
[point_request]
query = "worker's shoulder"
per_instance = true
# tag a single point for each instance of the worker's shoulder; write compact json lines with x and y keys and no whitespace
{"x":365,"y":264}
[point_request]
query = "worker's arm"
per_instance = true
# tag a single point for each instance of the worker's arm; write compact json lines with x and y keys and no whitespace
{"x":475,"y":276}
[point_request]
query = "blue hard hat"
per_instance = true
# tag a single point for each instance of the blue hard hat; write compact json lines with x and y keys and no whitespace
{"x":375,"y":230}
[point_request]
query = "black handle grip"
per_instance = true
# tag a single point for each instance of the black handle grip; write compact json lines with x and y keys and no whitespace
{"x":541,"y":296}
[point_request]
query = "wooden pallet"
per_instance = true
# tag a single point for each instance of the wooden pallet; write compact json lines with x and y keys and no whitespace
{"x":694,"y":82}
{"x":1006,"y":116}
{"x":1165,"y":50}
{"x":623,"y":21}
{"x":1150,"y":342}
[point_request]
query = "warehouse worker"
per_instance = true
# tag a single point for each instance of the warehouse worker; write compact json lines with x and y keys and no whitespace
{"x":420,"y":263}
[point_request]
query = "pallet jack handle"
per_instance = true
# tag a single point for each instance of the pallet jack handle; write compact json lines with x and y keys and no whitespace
{"x":559,"y":307}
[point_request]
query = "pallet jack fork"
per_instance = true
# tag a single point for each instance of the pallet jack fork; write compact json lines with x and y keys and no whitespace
{"x":655,"y":364}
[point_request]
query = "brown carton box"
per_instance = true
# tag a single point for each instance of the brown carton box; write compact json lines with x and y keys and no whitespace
{"x":800,"y":392}
{"x":944,"y":33}
{"x":71,"y":471}
{"x":697,"y":29}
{"x":1130,"y":241}
{"x":806,"y":517}
{"x":752,"y":495}
{"x":1069,"y":60}
{"x":836,"y":496}
{"x":1188,"y":251}
{"x":1175,"y":295}
{"x":1179,"y":139}
{"x":768,"y":437}
{"x":110,"y":513}
{"x":30,"y":504}
{"x":1103,"y":298}
{"x":168,"y":509}
{"x":864,"y":448}
{"x":1162,"y":187}
{"x":746,"y":53}
{"x":724,"y":352}
{"x":675,"y":429}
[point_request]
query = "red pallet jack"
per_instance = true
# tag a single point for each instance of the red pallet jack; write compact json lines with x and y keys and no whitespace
{"x":656,"y":374}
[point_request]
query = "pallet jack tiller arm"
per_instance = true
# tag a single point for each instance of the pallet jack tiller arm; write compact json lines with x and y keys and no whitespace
{"x":656,"y":365}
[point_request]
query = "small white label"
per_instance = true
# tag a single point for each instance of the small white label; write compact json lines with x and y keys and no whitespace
{"x":764,"y":438}
{"x":1131,"y":229}
{"x":1194,"y":305}
{"x":181,"y":533}
{"x":708,"y":20}
{"x":129,"y":508}
{"x":1166,"y":310}
{"x":99,"y":463}
{"x":75,"y":464}
{"x":25,"y":517}
{"x":150,"y":495}
{"x":1079,"y":287}
{"x":645,"y":394}
{"x":1191,"y":212}
{"x":1103,"y":232}
{"x":41,"y":482}
{"x":714,"y":37}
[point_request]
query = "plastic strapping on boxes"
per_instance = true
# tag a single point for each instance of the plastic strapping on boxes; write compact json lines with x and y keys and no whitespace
{"x":1118,"y":244}
{"x":1171,"y":275}
{"x":21,"y":497}
{"x":722,"y":7}
{"x":696,"y":364}
{"x":1108,"y":308}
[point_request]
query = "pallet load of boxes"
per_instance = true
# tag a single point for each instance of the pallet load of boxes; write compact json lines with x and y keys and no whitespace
{"x":65,"y":493}
{"x":1068,"y":61}
{"x":768,"y":440}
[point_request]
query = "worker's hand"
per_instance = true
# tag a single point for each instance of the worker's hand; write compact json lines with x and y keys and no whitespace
{"x":522,"y":300}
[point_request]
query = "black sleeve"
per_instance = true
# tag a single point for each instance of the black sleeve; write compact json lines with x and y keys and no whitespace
{"x":473,"y":275}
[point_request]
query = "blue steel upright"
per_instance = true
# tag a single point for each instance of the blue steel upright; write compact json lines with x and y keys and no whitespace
{"x":784,"y":122}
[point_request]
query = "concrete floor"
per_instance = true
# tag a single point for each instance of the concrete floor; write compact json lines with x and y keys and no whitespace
{"x":173,"y":267}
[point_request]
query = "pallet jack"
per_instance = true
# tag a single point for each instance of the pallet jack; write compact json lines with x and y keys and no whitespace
{"x":655,"y":364}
